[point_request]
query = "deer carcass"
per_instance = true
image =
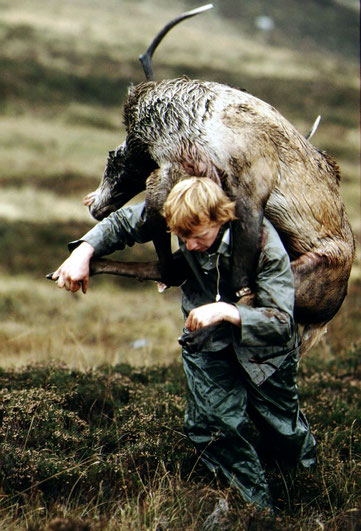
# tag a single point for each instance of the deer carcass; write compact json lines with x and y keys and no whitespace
{"x":181,"y":127}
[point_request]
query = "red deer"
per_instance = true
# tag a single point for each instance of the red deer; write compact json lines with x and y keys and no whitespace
{"x":181,"y":127}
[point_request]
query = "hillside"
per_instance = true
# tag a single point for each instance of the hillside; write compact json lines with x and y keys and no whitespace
{"x":326,"y":26}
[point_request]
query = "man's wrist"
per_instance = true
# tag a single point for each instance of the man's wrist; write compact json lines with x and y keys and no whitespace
{"x":232,"y":314}
{"x":85,"y":250}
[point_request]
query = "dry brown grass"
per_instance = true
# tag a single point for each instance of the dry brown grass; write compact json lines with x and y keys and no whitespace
{"x":109,"y":325}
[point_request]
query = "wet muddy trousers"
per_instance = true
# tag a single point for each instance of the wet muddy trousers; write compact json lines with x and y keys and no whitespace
{"x":220,"y":403}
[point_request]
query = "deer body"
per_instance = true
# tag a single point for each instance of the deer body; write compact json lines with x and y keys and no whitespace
{"x":182,"y":127}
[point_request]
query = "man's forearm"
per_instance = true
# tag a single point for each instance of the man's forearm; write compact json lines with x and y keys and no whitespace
{"x":211,"y":314}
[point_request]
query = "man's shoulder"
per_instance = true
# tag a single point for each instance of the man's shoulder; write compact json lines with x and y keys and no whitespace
{"x":271,"y":240}
{"x":268,"y":227}
{"x":138,"y":209}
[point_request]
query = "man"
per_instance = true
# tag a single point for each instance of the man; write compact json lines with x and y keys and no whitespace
{"x":248,"y":368}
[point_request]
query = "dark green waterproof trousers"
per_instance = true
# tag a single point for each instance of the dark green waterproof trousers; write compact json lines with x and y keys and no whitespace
{"x":221,"y":400}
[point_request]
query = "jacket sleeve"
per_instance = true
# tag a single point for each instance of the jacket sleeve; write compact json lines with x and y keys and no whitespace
{"x":270,"y":321}
{"x":122,"y":228}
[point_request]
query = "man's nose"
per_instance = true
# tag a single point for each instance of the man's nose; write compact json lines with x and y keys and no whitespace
{"x":191,"y":245}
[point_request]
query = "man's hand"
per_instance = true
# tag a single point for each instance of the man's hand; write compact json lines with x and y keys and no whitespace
{"x":73,"y":274}
{"x":211,"y":314}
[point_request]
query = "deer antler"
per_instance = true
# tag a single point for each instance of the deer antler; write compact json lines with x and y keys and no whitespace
{"x":146,"y":58}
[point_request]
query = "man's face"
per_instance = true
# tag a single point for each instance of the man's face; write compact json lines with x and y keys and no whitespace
{"x":201,"y":238}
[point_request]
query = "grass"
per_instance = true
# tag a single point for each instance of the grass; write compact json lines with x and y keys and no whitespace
{"x":42,"y":323}
{"x":92,"y":391}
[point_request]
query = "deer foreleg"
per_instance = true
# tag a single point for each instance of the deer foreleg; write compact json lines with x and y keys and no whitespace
{"x":246,"y":245}
{"x":139,"y":270}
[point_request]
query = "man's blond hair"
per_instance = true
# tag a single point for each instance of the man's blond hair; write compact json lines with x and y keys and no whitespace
{"x":197,"y":201}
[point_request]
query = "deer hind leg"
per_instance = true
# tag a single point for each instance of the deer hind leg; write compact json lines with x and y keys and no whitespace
{"x":320,"y":286}
{"x":310,"y":335}
{"x":320,"y":290}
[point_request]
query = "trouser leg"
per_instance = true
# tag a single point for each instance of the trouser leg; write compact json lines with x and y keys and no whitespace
{"x":274,"y":408}
{"x":217,"y":423}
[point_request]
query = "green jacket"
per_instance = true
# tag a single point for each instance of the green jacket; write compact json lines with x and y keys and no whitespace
{"x":267,"y":334}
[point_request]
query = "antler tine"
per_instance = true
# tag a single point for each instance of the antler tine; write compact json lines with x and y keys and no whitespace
{"x":146,"y":58}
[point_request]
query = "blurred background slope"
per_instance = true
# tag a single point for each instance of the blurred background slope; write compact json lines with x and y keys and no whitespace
{"x":65,"y":67}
